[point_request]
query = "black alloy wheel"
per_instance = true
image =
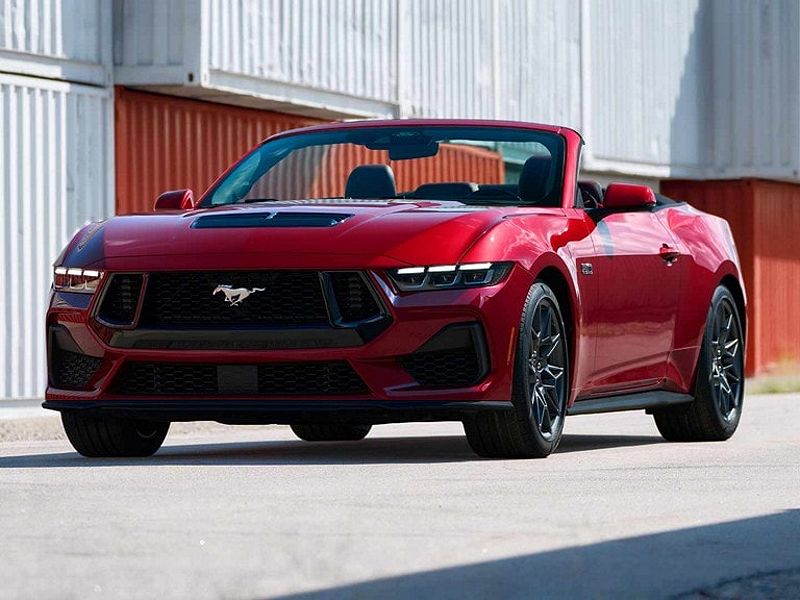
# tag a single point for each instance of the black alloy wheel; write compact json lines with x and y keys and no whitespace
{"x":716,"y":410}
{"x":533,"y":425}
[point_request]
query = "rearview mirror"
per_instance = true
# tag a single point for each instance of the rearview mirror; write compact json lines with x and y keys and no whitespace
{"x":628,"y":195}
{"x":175,"y":200}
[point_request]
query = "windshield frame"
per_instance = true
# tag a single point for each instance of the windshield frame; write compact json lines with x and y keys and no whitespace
{"x":564,"y":176}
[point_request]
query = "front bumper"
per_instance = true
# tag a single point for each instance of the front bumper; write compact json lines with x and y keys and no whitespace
{"x":390,"y":392}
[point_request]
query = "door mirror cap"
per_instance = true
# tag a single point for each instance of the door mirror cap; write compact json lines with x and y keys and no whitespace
{"x":628,"y":195}
{"x":175,"y":200}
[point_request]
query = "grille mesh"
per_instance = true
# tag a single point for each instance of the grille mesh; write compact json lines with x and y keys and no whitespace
{"x":120,"y":299}
{"x":186,"y":299}
{"x":454,"y":357}
{"x":443,"y":368}
{"x":271,"y":379}
{"x":72,"y":370}
{"x":353,"y":297}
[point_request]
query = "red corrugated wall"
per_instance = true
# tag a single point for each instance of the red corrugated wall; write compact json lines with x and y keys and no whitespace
{"x":765,"y":220}
{"x":164,"y":142}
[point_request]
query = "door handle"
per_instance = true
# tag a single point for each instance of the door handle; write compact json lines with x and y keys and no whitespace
{"x":668,"y":254}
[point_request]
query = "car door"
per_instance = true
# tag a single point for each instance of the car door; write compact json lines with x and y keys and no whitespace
{"x":637,"y":268}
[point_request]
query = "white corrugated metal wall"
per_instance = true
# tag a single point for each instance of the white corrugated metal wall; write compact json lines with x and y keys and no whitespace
{"x":56,"y":162}
{"x":637,"y":78}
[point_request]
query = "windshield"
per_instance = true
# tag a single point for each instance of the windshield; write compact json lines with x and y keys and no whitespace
{"x":472,"y":165}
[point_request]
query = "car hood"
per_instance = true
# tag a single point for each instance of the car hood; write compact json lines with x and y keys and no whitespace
{"x":387,"y":231}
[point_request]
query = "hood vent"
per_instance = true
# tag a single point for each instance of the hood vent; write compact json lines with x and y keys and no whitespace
{"x":272,"y":219}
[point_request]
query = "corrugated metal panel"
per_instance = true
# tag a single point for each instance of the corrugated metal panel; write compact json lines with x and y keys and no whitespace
{"x":152,"y":33}
{"x":756,"y":89}
{"x":764,"y":217}
{"x":57,"y":39}
{"x":647,"y":75}
{"x":539,"y":74}
{"x":347,"y":46}
{"x":777,"y":272}
{"x":166,"y":143}
{"x":56,"y":160}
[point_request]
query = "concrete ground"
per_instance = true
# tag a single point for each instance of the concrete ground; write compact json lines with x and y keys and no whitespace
{"x":249,"y":512}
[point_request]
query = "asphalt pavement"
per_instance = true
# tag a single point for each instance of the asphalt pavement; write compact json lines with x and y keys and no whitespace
{"x":410,"y":512}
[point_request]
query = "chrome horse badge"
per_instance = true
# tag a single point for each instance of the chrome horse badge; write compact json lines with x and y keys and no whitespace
{"x":234,"y":296}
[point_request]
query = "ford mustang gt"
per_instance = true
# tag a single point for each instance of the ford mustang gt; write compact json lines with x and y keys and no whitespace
{"x":346,"y":275}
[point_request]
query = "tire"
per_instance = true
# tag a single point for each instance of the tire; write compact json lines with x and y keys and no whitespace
{"x":113,"y":436}
{"x":331,"y":432}
{"x":540,"y":389}
{"x":716,"y":410}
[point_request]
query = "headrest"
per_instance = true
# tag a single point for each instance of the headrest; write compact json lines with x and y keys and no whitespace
{"x":534,"y":181}
{"x":445,"y":191}
{"x":371,"y":181}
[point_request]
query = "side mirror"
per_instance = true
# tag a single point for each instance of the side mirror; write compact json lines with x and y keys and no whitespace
{"x":628,"y":195}
{"x":175,"y":200}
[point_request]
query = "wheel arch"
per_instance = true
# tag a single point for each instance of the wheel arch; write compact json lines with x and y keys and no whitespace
{"x":557,"y":281}
{"x":732,"y":284}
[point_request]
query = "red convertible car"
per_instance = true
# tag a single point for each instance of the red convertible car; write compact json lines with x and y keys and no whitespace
{"x":345,"y":275}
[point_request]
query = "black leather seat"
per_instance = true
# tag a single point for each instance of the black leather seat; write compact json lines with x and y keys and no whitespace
{"x":591,"y":192}
{"x":371,"y":181}
{"x":535,"y":182}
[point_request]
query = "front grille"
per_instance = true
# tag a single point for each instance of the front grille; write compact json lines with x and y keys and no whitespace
{"x":71,"y":370}
{"x":453,"y":358}
{"x":268,"y":379}
{"x":120,"y":299}
{"x":354,"y":298}
{"x":277,"y":298}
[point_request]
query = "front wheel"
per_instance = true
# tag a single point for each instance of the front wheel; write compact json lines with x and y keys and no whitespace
{"x":540,"y":390}
{"x":113,"y":436}
{"x":719,"y":392}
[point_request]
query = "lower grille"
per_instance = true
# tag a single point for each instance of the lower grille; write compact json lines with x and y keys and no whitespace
{"x":71,"y":370}
{"x":453,"y":358}
{"x":268,"y":379}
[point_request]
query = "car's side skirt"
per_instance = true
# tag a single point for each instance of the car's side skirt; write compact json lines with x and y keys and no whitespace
{"x":638,"y":401}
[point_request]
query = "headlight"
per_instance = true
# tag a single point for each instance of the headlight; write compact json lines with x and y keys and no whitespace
{"x":437,"y":277}
{"x":72,"y":279}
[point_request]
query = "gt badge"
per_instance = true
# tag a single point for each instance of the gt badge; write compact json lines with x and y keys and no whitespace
{"x":234,"y":296}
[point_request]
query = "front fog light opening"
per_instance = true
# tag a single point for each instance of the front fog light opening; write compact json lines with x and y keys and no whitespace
{"x":449,"y":276}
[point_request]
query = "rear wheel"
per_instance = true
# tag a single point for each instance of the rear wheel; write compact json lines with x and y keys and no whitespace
{"x":331,"y":432}
{"x":719,"y":392}
{"x":540,"y":391}
{"x":113,"y":436}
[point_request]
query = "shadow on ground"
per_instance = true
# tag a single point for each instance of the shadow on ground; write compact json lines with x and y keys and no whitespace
{"x":690,"y":563}
{"x":379,"y":450}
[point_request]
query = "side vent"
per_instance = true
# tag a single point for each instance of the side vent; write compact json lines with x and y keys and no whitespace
{"x":120,"y":299}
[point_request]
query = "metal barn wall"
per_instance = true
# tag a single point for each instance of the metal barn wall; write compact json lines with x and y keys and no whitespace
{"x":765,"y":218}
{"x":56,"y":174}
{"x":57,"y":39}
{"x":166,"y":143}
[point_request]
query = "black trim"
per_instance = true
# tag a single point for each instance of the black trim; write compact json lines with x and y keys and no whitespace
{"x":637,"y":401}
{"x":240,"y":412}
{"x":237,"y":339}
{"x":466,"y":338}
{"x":269,"y":219}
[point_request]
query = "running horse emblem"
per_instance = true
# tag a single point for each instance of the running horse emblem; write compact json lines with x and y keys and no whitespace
{"x":234,"y":296}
